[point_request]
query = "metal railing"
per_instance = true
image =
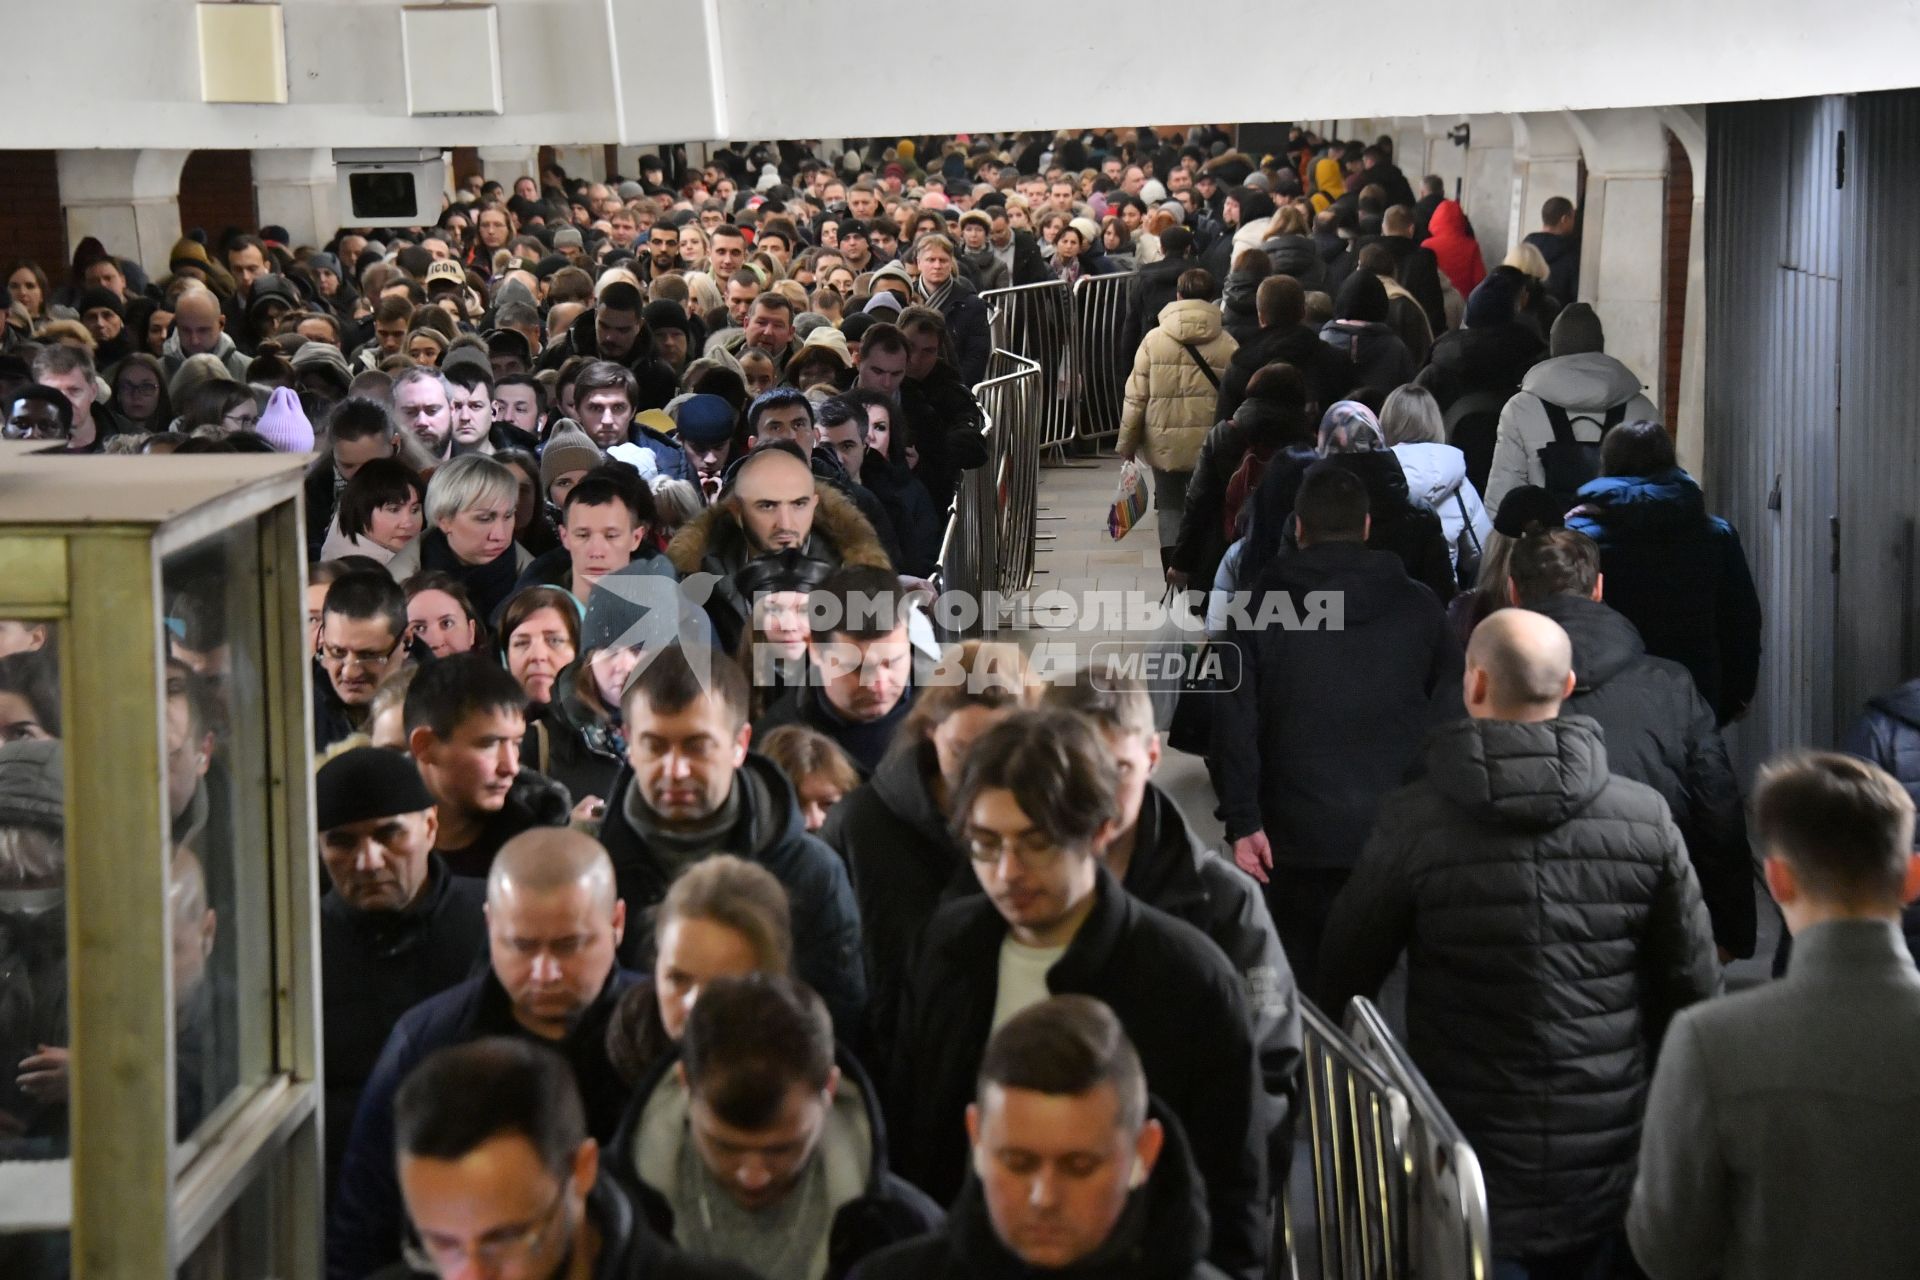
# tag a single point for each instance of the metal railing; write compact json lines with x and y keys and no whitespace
{"x":1397,"y":1192}
{"x":1100,"y":364}
{"x":989,"y":542}
{"x":1035,"y":321}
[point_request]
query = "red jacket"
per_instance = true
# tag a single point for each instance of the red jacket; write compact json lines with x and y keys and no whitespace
{"x":1458,"y":252}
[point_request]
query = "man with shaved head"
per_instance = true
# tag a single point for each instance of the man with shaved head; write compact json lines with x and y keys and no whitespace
{"x":554,"y":921}
{"x":1559,"y":928}
{"x":200,"y":328}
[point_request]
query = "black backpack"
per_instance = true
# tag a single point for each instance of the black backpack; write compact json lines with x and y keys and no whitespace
{"x":1567,"y":463}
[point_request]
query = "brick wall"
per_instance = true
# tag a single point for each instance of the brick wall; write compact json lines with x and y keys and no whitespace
{"x":31,"y":226}
{"x":216,"y":192}
{"x":1679,"y":230}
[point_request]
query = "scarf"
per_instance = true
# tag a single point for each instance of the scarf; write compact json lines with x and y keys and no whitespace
{"x":488,"y":585}
{"x":935,"y":298}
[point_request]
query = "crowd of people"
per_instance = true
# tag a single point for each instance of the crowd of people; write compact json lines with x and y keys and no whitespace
{"x":691,"y":911}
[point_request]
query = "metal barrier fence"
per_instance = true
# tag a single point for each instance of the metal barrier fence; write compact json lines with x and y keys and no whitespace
{"x":1100,"y":365}
{"x":989,"y":542}
{"x":1397,"y":1192}
{"x":1035,"y":321}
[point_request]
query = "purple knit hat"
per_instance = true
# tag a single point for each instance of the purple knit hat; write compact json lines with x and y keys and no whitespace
{"x":284,"y":425}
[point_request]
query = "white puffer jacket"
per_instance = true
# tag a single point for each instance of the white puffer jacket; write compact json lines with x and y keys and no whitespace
{"x":1170,"y":401}
{"x":1586,"y":385}
{"x":1437,"y":475}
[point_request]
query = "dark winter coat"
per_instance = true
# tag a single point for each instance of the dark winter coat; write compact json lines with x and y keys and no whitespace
{"x":1299,"y":257}
{"x":1029,"y":264}
{"x":904,"y":862}
{"x":917,"y":527}
{"x":1553,"y":926}
{"x":1324,"y":723}
{"x":1888,"y":734}
{"x":864,"y":741}
{"x":1151,"y":289}
{"x":321,"y":500}
{"x":376,"y":965}
{"x":1489,"y":358}
{"x":1415,"y":269}
{"x":533,"y":801}
{"x":826,"y":921}
{"x":364,"y":1229}
{"x":1162,"y":1234}
{"x":945,"y":424}
{"x":967,"y":326}
{"x":872,"y":1207}
{"x":1239,"y":314}
{"x":715,"y":542}
{"x":1173,"y":872}
{"x":629,"y":1250}
{"x":1203,"y":541}
{"x":1411,"y":530}
{"x":1381,"y":361}
{"x":1679,"y":575}
{"x":1660,"y":731}
{"x":655,"y":376}
{"x":574,"y":742}
{"x":1328,"y":373}
{"x":1563,"y":263}
{"x":1178,"y":999}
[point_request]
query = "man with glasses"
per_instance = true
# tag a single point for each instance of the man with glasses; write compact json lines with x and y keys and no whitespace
{"x":363,"y":629}
{"x":553,"y":923}
{"x":1035,"y":807}
{"x":502,"y":1179}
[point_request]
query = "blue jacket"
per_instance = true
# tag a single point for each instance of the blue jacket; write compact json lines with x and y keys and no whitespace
{"x":826,"y":918}
{"x":365,"y":1227}
{"x":1680,"y":577}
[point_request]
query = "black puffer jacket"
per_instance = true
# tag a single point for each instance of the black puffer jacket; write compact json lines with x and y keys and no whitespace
{"x":1552,"y":926}
{"x":1161,"y":1235}
{"x":572,"y":741}
{"x":1329,"y":375}
{"x":1381,"y":361}
{"x":1660,"y":731}
{"x":904,"y":863}
{"x":1299,"y":257}
{"x":1411,"y":530}
{"x":945,"y":424}
{"x":1239,"y":313}
{"x":1148,"y":293}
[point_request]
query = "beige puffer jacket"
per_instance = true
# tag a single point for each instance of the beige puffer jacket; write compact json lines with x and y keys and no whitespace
{"x":1169,"y":407}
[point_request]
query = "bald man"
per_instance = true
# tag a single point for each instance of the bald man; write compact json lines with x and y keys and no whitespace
{"x":1559,"y":926}
{"x":554,"y":921}
{"x":200,"y":328}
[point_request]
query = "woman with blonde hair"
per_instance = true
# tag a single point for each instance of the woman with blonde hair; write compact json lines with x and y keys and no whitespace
{"x":895,"y":830}
{"x":1541,"y":308}
{"x":694,"y":244}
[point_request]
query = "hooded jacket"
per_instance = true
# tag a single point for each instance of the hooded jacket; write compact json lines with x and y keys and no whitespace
{"x":715,"y":542}
{"x":871,"y":1207}
{"x":1324,"y":722}
{"x":224,"y":347}
{"x":826,"y":920}
{"x":1680,"y":577}
{"x":376,"y":965}
{"x":1552,"y":926}
{"x":1181,"y":1004}
{"x":1172,"y":871}
{"x":1381,"y":361}
{"x":1587,"y":386}
{"x":1151,"y":291}
{"x":1169,"y":399}
{"x":1239,"y":312}
{"x":1162,"y":1234}
{"x":1329,"y":373}
{"x":571,"y":742}
{"x":1436,"y":476}
{"x":1457,"y":252}
{"x":1660,"y":731}
{"x":1299,"y":257}
{"x":904,"y":862}
{"x":364,"y":1228}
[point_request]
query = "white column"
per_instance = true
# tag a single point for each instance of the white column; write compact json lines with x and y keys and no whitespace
{"x":129,"y":200}
{"x":506,"y":164}
{"x":1623,"y":234}
{"x":296,"y":188}
{"x":1490,"y":173}
{"x":1546,"y":163}
{"x":588,"y":162}
{"x":1689,"y":124}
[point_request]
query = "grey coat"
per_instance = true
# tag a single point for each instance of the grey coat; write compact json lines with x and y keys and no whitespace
{"x":1781,"y":1129}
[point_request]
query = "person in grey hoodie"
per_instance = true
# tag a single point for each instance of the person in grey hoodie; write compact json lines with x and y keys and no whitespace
{"x":1596,"y":391}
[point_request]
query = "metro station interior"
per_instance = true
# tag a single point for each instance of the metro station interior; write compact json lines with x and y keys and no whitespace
{"x":1729,"y":194}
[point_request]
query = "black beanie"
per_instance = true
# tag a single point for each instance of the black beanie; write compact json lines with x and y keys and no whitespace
{"x":666,"y":314}
{"x":367,"y":782}
{"x":98,"y":297}
{"x":1362,"y":297}
{"x":1529,"y":509}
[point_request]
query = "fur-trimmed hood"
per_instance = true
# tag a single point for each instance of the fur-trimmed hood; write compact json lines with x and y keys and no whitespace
{"x":716,"y":541}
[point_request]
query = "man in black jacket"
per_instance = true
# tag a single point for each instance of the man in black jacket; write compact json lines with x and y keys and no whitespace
{"x":690,"y":788}
{"x":1153,"y":287}
{"x":615,"y":330}
{"x":1158,"y":859}
{"x":1035,"y":802}
{"x":1077,"y":1171}
{"x":1414,"y":267}
{"x":497,"y":1166}
{"x":1284,"y":338}
{"x":1659,"y":730}
{"x":759,"y":1143}
{"x":1343,"y":662}
{"x":553,"y":923}
{"x":398,"y":926}
{"x":363,"y":632}
{"x":1559,"y":928}
{"x":1018,"y":249}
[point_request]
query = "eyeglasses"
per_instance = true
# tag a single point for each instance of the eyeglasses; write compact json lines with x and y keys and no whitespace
{"x":335,"y":656}
{"x":493,"y":1251}
{"x":1033,"y":851}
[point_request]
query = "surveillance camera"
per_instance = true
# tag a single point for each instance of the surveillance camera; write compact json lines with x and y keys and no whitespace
{"x":390,"y":187}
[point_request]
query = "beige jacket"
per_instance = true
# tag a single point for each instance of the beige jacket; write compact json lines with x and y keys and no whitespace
{"x":1169,"y":406}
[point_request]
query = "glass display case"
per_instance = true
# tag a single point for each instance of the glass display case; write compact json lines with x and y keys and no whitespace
{"x":159,"y":1032}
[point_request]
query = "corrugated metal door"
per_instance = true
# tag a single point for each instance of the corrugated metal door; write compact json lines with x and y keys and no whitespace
{"x":1774,"y":287}
{"x":1879,"y":618}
